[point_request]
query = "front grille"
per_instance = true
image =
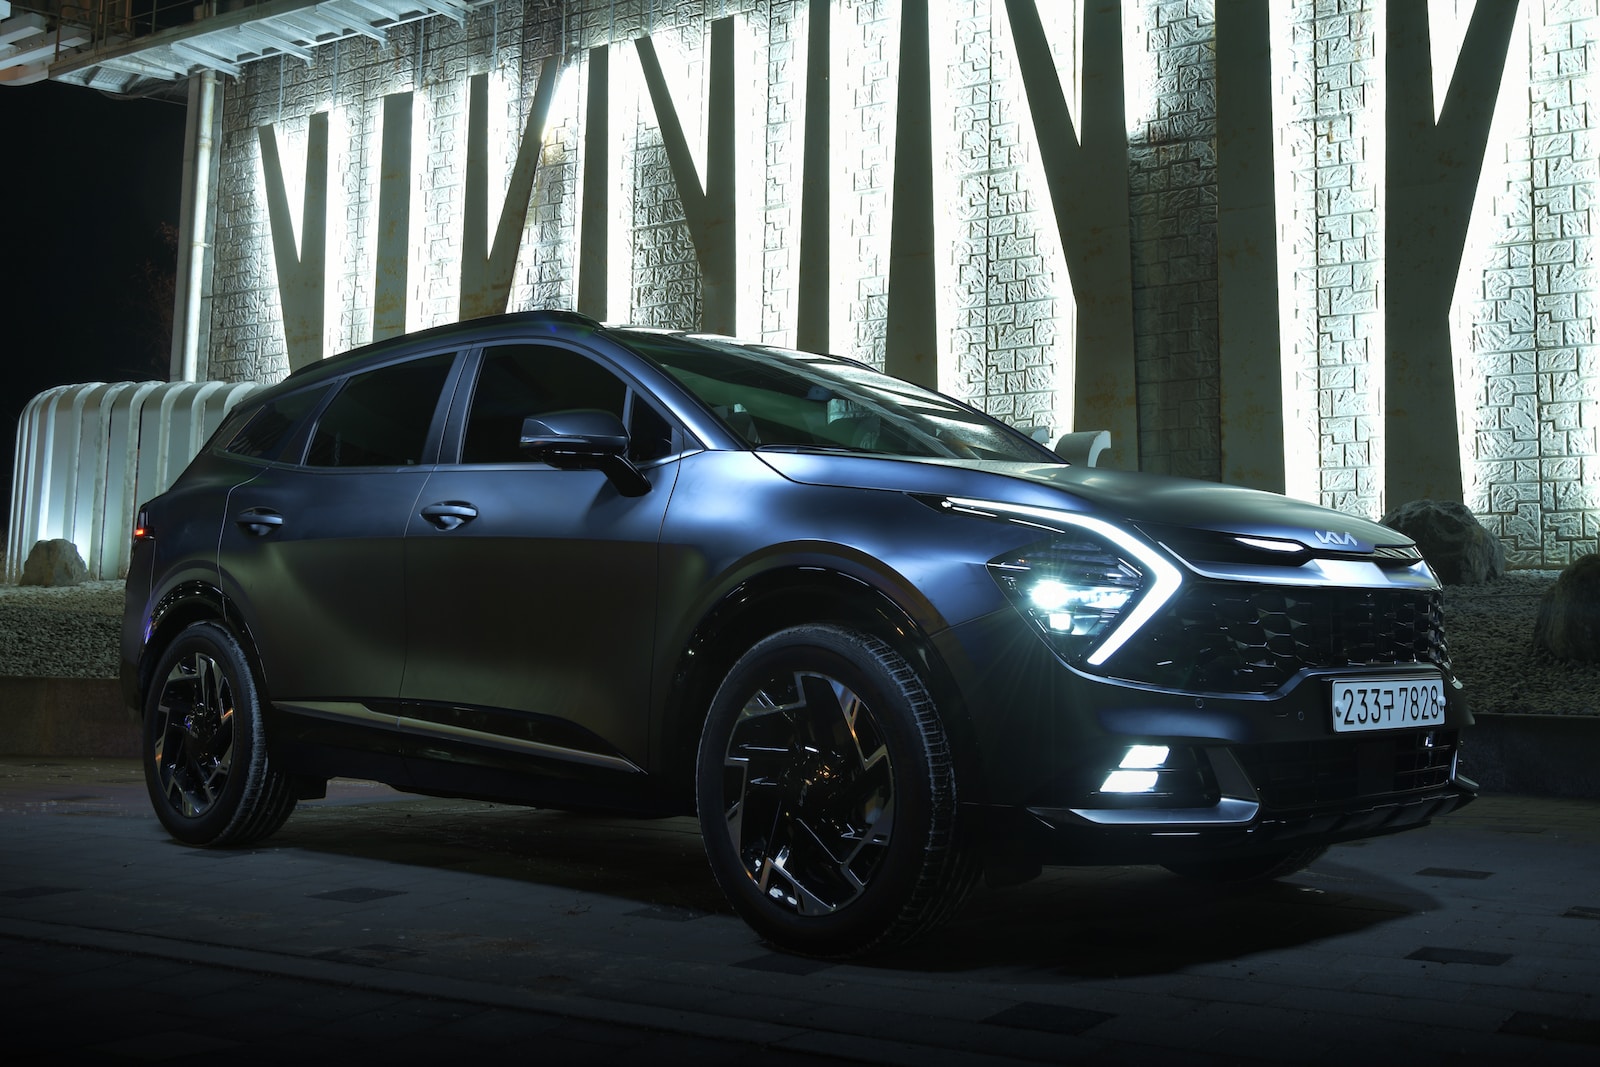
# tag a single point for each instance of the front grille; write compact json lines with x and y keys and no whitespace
{"x":1229,"y":637}
{"x":1300,"y":775}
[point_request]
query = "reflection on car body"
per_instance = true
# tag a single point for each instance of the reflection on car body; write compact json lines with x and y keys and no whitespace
{"x":880,"y":642}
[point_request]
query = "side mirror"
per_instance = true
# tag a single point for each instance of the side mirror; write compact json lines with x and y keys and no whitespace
{"x":584,"y":440}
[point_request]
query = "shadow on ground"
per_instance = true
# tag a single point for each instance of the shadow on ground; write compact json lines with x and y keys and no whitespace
{"x":1087,"y":923}
{"x":1121,"y":921}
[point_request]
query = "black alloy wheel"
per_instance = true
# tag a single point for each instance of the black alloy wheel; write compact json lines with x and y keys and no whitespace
{"x":827,"y":797}
{"x":205,"y":752}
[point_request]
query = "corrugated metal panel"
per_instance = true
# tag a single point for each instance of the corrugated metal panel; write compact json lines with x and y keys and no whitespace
{"x":88,"y":455}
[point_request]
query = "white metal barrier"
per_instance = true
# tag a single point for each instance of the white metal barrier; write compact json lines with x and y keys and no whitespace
{"x":89,"y":455}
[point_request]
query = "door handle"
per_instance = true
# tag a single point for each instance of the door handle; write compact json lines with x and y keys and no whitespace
{"x":259,"y":522}
{"x":449,"y":514}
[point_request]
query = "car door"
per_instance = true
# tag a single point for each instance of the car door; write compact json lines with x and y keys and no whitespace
{"x":312,"y":550}
{"x":531,"y":589}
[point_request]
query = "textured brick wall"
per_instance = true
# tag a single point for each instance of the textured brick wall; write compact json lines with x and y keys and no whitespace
{"x":665,"y":285}
{"x":1526,"y":351}
{"x":1527,"y":343}
{"x":867,"y":38}
{"x":1008,"y":279}
{"x":782,"y":137}
{"x":1331,"y":248}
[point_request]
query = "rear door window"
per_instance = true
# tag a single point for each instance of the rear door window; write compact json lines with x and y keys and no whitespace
{"x":382,"y":418}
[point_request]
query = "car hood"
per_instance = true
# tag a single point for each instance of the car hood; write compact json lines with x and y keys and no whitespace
{"x":1154,"y":502}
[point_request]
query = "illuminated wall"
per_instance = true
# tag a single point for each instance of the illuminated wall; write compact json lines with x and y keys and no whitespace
{"x":1526,"y":348}
{"x":1073,"y":249}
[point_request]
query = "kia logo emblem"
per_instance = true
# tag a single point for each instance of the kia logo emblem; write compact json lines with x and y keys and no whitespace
{"x":1333,"y":537}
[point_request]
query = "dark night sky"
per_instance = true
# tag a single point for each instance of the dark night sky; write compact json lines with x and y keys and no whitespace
{"x":86,"y":183}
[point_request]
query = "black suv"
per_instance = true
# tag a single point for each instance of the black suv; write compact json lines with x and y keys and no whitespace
{"x":882,"y":643}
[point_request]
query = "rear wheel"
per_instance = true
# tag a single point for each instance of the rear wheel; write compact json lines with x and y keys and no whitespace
{"x":206,"y":762}
{"x":1250,"y":869}
{"x":827,"y":797}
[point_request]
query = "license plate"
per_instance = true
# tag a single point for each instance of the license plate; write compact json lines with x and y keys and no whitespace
{"x":1364,"y":704}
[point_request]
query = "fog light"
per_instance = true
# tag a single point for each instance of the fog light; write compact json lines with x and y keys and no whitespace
{"x":1139,"y":771}
{"x":1144,"y":757}
{"x":1130,"y":782}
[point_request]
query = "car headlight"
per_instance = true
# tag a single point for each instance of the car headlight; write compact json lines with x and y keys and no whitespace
{"x":1089,"y":587}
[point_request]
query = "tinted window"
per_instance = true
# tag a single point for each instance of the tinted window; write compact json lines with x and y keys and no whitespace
{"x":649,"y":433}
{"x":273,"y":426}
{"x":774,"y":398}
{"x":522,"y":380}
{"x":381,"y":418}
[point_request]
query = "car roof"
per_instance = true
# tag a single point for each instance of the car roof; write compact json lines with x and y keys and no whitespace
{"x":464,"y":333}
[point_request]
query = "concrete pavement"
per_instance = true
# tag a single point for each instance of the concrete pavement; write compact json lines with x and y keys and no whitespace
{"x":416,"y":929}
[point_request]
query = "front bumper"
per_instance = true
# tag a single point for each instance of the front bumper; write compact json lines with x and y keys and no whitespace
{"x":1247,"y":774}
{"x":1064,"y":837}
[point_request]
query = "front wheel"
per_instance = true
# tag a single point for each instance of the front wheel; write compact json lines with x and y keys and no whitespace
{"x":827,"y":795}
{"x":206,"y":763}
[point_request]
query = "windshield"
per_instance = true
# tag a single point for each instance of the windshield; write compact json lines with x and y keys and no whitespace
{"x":775,"y":398}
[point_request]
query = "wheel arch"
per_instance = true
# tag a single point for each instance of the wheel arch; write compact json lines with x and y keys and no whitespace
{"x":181,"y":607}
{"x":777,"y":599}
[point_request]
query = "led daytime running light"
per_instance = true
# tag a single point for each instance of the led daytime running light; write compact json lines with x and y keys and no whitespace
{"x":1165,"y":578}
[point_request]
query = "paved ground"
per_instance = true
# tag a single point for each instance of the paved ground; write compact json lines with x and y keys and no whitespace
{"x":432,"y":931}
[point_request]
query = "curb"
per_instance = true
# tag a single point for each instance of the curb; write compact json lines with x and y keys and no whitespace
{"x":1533,"y":755}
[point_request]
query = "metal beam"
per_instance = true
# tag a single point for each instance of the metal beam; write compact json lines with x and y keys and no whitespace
{"x":202,"y":57}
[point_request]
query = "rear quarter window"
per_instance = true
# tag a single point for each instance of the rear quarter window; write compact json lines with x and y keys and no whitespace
{"x":263,"y":433}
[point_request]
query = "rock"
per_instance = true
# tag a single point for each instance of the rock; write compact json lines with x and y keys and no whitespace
{"x":1568,"y":625}
{"x":1455,"y":544}
{"x":54,"y":563}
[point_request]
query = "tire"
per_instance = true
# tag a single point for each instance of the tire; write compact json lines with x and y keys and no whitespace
{"x":827,"y":795}
{"x":206,"y":762}
{"x":1252,"y":869}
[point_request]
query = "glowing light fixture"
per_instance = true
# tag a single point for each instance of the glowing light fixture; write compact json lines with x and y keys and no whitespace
{"x":1129,"y":782}
{"x":1271,"y":544}
{"x":1144,"y":757}
{"x":1139,"y":771}
{"x":1094,"y":581}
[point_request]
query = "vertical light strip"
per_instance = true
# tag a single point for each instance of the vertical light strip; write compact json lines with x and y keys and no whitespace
{"x":254,"y":249}
{"x":866,"y":49}
{"x":1485,"y":284}
{"x":842,"y":142}
{"x":783,"y":94}
{"x":1331,"y":198}
{"x":1070,"y":61}
{"x":1293,"y":92}
{"x":942,"y":69}
{"x":354,"y":229}
{"x":421,"y":307}
{"x":551,"y":245}
{"x":507,"y":105}
{"x":1050,"y":301}
{"x":628,"y":97}
{"x":1447,"y":27}
{"x":366,"y":261}
{"x":1589,"y":306}
{"x":1141,"y":80}
{"x":293,"y":139}
{"x":336,"y":290}
{"x":1369,"y":495}
{"x":751,"y":87}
